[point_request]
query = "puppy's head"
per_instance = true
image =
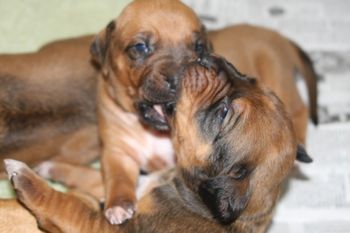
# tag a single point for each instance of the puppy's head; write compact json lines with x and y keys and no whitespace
{"x":141,"y":52}
{"x":233,"y":140}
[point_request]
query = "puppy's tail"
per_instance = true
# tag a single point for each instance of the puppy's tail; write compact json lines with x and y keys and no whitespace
{"x":306,"y":67}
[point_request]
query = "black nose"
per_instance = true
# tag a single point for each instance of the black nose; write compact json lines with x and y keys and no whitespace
{"x":169,"y":108}
{"x":172,"y":82}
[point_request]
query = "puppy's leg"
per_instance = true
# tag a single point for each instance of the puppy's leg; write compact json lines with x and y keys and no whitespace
{"x":120,"y":160}
{"x":54,"y":211}
{"x":83,"y":179}
{"x":120,"y":178}
{"x":81,"y":148}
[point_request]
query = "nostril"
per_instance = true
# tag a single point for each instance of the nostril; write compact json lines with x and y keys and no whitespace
{"x":172,"y":83}
{"x":169,"y":108}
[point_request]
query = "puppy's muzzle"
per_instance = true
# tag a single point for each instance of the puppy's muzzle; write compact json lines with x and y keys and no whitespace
{"x":158,"y":100}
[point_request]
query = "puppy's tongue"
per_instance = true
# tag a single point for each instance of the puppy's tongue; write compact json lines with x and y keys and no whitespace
{"x":159,"y":109}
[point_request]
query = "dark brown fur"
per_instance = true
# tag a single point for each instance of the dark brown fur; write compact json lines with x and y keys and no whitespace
{"x":46,"y":99}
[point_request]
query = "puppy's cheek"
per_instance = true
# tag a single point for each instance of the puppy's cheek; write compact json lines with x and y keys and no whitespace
{"x":225,"y":197}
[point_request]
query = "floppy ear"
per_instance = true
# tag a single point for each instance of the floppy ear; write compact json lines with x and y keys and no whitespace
{"x":99,"y":46}
{"x":302,"y":155}
{"x":225,"y":197}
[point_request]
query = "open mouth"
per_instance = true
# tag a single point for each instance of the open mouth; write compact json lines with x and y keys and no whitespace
{"x":156,"y":115}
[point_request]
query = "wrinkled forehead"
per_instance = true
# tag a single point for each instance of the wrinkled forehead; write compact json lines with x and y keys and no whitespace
{"x":169,"y":18}
{"x":201,"y":86}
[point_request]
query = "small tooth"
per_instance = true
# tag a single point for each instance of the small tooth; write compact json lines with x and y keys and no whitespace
{"x":159,"y":109}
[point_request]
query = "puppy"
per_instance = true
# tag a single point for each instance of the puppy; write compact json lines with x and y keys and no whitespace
{"x":140,"y":53}
{"x":234,"y":144}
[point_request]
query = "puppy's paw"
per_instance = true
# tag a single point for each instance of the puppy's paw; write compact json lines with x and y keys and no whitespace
{"x":119,"y":214}
{"x":20,"y":175}
{"x":14,"y":167}
{"x":44,"y":169}
{"x":27,"y":184}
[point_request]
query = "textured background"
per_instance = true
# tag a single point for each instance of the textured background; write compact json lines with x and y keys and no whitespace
{"x":318,"y":197}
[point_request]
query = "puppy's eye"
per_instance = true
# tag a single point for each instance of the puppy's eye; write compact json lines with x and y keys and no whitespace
{"x":222,"y":110}
{"x":239,"y":172}
{"x":223,"y":113}
{"x":139,"y":50}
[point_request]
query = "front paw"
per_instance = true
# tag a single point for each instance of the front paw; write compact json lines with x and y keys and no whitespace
{"x":120,"y":213}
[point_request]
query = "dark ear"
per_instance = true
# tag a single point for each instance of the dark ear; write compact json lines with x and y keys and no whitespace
{"x":99,"y":46}
{"x":302,"y":155}
{"x":225,"y":197}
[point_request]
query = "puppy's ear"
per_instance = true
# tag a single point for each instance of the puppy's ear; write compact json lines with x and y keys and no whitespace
{"x":99,"y":46}
{"x":225,"y":197}
{"x":302,"y":155}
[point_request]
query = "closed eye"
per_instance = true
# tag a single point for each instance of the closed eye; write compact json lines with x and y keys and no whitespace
{"x":222,"y":110}
{"x":240,"y":172}
{"x":222,"y":113}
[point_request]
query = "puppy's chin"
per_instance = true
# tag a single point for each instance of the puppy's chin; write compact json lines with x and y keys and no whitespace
{"x":225,"y":197}
{"x":156,"y":115}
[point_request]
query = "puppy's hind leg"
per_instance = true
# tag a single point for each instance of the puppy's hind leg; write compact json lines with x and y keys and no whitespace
{"x":54,"y":211}
{"x":79,"y":178}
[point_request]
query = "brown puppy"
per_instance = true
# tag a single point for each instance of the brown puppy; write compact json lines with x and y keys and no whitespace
{"x":235,"y":145}
{"x":139,"y":53}
{"x":274,"y":60}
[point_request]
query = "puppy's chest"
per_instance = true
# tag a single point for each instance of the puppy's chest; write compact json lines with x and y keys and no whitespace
{"x":158,"y":151}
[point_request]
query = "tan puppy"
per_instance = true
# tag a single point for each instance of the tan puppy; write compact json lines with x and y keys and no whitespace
{"x":139,"y":53}
{"x":235,"y":145}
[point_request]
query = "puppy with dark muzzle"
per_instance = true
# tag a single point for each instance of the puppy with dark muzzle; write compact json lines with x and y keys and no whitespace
{"x":234,"y":143}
